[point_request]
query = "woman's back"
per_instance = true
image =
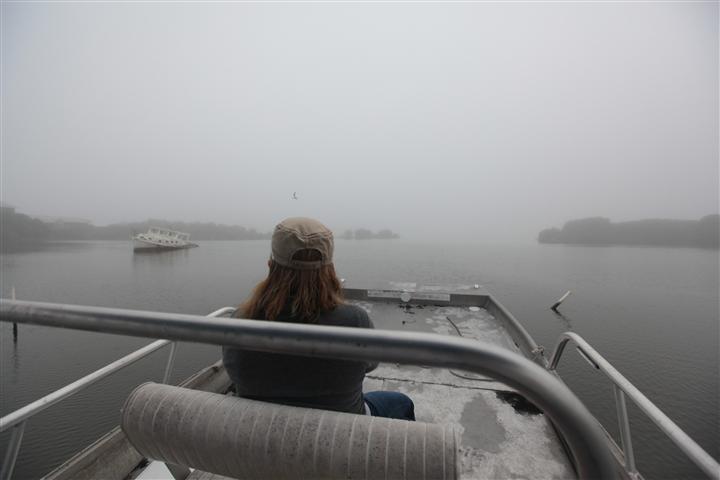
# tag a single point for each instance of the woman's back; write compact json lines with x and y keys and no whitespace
{"x":302,"y":381}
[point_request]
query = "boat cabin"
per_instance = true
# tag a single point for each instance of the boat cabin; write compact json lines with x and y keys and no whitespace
{"x":171,"y":234}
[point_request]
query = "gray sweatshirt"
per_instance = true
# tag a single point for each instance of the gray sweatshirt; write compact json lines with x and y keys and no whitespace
{"x":323,"y":383}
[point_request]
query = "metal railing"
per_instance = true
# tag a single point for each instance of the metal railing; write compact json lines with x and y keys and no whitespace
{"x":17,"y":419}
{"x":623,"y":387}
{"x":583,"y":434}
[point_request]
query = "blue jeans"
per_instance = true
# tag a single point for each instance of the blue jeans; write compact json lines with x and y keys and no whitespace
{"x":390,"y":405}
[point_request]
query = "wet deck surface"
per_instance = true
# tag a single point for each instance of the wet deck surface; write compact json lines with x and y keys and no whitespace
{"x":500,"y":436}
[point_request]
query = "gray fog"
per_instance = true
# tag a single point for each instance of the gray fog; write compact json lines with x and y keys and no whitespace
{"x":486,"y":120}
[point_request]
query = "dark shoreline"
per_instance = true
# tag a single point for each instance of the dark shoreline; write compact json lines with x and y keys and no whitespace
{"x":703,"y":233}
{"x":22,"y":232}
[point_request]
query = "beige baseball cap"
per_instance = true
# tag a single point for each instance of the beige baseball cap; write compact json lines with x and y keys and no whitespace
{"x":301,"y":233}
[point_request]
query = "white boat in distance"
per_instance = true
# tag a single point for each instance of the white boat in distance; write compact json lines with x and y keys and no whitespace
{"x":161,"y":239}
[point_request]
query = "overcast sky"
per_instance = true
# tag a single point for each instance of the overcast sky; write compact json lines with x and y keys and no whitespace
{"x":486,"y":120}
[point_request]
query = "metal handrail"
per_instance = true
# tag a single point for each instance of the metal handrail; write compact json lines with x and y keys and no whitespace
{"x":580,"y":429}
{"x":18,"y":417}
{"x":622,"y":387}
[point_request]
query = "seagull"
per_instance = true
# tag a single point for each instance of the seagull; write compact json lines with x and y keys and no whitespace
{"x":294,"y":196}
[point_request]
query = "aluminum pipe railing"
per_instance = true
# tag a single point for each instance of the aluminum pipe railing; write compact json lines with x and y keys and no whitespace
{"x":17,"y":419}
{"x":579,"y":428}
{"x":622,"y":387}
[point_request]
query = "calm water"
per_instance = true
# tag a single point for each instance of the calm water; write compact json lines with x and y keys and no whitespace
{"x":652,"y":312}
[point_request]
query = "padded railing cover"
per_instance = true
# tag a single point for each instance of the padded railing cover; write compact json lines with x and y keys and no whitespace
{"x":247,"y":439}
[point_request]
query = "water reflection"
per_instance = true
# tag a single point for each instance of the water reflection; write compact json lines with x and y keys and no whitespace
{"x":59,"y":246}
{"x":160,"y":257}
{"x":565,"y":320}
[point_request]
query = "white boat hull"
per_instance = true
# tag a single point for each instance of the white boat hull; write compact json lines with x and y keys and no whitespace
{"x":149,"y":244}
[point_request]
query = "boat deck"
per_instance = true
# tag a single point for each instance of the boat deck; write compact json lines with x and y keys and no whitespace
{"x":500,"y":434}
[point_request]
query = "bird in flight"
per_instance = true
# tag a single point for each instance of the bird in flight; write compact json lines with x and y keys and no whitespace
{"x":294,"y":196}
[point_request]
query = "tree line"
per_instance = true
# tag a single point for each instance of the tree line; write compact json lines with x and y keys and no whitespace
{"x":656,"y":232}
{"x":365,"y":234}
{"x":18,"y":230}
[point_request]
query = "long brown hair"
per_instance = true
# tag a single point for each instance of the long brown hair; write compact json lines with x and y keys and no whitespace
{"x":307,"y":292}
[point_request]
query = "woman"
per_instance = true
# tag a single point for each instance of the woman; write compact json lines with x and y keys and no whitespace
{"x":301,"y":287}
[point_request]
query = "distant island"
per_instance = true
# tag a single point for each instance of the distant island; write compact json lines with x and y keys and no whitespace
{"x":18,"y":231}
{"x":365,"y":234}
{"x":653,"y":232}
